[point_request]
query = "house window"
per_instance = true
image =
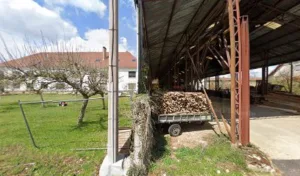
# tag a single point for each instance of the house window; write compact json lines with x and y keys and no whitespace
{"x":131,"y":86}
{"x":131,"y":74}
{"x":60,"y":86}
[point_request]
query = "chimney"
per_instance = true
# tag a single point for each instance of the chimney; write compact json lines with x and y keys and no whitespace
{"x":104,"y":53}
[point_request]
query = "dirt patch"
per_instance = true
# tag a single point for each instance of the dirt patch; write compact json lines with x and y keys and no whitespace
{"x":258,"y":161}
{"x":194,"y":135}
{"x":228,"y":166}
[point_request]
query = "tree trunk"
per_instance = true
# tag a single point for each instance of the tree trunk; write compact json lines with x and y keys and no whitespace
{"x":103,"y":101}
{"x":82,"y":111}
{"x":42,"y":98}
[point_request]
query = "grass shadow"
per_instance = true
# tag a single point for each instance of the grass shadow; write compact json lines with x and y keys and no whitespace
{"x":160,"y":148}
{"x":99,"y":122}
{"x":67,"y":144}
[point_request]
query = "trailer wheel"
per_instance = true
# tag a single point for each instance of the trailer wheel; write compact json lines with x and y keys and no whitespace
{"x":174,"y":130}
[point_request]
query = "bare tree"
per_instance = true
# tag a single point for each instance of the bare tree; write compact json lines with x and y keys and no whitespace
{"x":84,"y":74}
{"x":2,"y":81}
{"x":284,"y":78}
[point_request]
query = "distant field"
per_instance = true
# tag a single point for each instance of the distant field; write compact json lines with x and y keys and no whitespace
{"x":56,"y":133}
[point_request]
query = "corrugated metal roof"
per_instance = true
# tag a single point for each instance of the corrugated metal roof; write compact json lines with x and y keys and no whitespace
{"x":187,"y":16}
{"x":274,"y":29}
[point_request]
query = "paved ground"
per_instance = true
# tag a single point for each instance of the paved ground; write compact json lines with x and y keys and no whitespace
{"x":274,"y":131}
{"x":280,"y":139}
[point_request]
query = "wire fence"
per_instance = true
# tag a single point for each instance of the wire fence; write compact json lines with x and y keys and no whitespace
{"x":54,"y":123}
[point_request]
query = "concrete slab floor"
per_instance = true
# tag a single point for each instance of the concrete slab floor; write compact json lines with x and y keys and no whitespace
{"x":275,"y":132}
{"x":280,"y":139}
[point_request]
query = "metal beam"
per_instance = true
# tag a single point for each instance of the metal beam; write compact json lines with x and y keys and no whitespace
{"x":166,"y":36}
{"x":188,"y":26}
{"x":279,"y":10}
{"x":148,"y":49}
{"x":244,"y":121}
{"x":209,"y":101}
{"x":232,"y":70}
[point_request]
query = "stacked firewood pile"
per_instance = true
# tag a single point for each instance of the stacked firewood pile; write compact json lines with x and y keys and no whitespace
{"x":181,"y":102}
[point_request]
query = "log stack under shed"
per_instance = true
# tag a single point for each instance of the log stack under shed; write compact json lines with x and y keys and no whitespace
{"x":182,"y":103}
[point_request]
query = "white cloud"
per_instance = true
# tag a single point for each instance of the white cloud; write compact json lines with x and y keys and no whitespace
{"x":26,"y":19}
{"x":94,"y":6}
{"x":94,"y":40}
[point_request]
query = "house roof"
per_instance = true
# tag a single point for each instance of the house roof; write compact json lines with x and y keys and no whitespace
{"x":52,"y":59}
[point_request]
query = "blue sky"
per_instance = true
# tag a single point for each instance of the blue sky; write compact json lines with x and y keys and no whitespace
{"x":84,"y":22}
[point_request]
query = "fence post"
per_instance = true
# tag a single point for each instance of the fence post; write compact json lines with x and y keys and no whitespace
{"x":27,"y":125}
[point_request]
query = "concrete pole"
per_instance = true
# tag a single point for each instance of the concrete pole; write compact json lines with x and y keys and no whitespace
{"x":138,"y":39}
{"x":112,"y":148}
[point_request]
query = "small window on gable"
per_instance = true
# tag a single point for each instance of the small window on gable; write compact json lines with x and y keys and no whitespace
{"x":133,"y":60}
{"x":131,"y":74}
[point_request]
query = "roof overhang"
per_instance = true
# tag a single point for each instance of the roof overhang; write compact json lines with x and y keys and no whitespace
{"x":171,"y":27}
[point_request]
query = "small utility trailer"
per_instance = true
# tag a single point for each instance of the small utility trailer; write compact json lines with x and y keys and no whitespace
{"x":175,"y":120}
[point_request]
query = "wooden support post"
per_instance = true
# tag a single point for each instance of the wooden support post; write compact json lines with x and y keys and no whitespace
{"x":227,"y":126}
{"x":205,"y":93}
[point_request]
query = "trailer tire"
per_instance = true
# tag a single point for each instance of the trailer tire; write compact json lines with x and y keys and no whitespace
{"x":174,"y":130}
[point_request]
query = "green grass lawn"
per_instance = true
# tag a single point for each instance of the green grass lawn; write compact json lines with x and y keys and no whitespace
{"x":217,"y":158}
{"x":56,"y":133}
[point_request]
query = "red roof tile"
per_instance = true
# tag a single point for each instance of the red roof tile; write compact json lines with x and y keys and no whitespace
{"x":126,"y":59}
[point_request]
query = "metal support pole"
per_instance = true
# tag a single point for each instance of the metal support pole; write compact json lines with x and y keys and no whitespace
{"x":185,"y":74}
{"x":112,"y":148}
{"x":267,"y":78}
{"x":263,"y":79}
{"x":232,"y":70}
{"x":235,"y":47}
{"x":291,"y":81}
{"x":265,"y":75}
{"x":191,"y":79}
{"x":245,"y":87}
{"x":27,"y":125}
{"x":217,"y":83}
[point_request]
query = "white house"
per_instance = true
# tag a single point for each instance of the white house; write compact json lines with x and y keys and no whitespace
{"x":127,"y":72}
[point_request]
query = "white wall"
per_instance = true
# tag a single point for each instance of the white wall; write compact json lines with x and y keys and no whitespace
{"x":124,"y":79}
